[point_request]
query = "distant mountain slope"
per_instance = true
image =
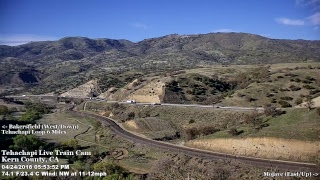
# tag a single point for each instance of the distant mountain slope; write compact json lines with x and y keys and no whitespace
{"x":72,"y":61}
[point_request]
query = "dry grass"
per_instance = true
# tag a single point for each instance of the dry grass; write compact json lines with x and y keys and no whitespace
{"x":64,"y":119}
{"x":279,"y":81}
{"x":264,"y":147}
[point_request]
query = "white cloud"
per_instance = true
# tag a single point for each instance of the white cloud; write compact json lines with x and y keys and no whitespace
{"x":224,"y":30}
{"x":18,"y":39}
{"x":307,"y":2}
{"x":315,"y":19}
{"x":265,"y":35}
{"x":291,"y":22}
{"x":140,"y":25}
{"x":314,"y":4}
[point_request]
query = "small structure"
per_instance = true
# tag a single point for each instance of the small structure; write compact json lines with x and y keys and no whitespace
{"x":131,"y":101}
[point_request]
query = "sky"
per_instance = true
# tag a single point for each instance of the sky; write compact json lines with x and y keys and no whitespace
{"x":22,"y":21}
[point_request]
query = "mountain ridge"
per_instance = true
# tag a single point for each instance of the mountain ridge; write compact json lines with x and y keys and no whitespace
{"x":74,"y":60}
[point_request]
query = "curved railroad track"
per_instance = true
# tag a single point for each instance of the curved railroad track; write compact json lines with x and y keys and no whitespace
{"x":265,"y":163}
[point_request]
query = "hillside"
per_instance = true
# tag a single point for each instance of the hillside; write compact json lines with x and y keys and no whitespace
{"x":73,"y":61}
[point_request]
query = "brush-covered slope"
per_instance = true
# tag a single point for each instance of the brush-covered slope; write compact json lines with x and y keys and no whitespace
{"x":61,"y":65}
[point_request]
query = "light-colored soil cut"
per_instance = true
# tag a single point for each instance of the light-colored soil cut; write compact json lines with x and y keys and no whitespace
{"x":83,"y":90}
{"x":132,"y":124}
{"x":264,"y":147}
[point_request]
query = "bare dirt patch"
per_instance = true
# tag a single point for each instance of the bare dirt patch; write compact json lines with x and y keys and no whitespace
{"x":264,"y":147}
{"x":132,"y":124}
{"x":315,"y":100}
{"x":82,"y":91}
{"x":151,"y":92}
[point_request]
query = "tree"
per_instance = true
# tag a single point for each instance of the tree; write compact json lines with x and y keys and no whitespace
{"x":298,"y":101}
{"x":309,"y":103}
{"x":131,"y":115}
{"x":271,"y":110}
{"x":4,"y":110}
{"x":284,"y":104}
{"x":107,"y":167}
{"x":318,"y":111}
{"x":191,"y":133}
{"x":72,"y":143}
{"x":31,"y":116}
{"x":235,"y":132}
{"x":26,"y":142}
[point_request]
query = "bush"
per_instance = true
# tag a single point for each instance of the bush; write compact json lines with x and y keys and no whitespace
{"x":298,"y":101}
{"x":31,"y":116}
{"x":191,"y":133}
{"x":191,"y":121}
{"x":271,"y":110}
{"x":26,"y":142}
{"x":318,"y":111}
{"x":308,"y":86}
{"x":287,"y":98}
{"x":131,"y":115}
{"x":39,"y":107}
{"x":115,"y":105}
{"x":312,"y":92}
{"x":309,"y":78}
{"x":4,"y":110}
{"x":294,"y":88}
{"x":235,"y":132}
{"x":297,"y":80}
{"x":250,"y":99}
{"x":273,"y":101}
{"x":284,"y":104}
{"x":208,"y":130}
{"x":270,"y":95}
{"x":71,"y":144}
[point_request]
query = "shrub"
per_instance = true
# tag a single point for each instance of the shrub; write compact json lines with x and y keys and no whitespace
{"x":318,"y":111}
{"x":250,"y":99}
{"x":298,"y":101}
{"x":270,"y":95}
{"x":294,"y":88}
{"x":297,"y":80}
{"x":208,"y":130}
{"x":131,"y":115}
{"x":235,"y":132}
{"x":287,"y":98}
{"x":70,"y":144}
{"x":310,"y":78}
{"x":191,"y":121}
{"x":306,"y":81}
{"x":290,"y":75}
{"x":281,"y":89}
{"x":309,"y":103}
{"x":284,"y":104}
{"x":115,"y":105}
{"x":26,"y":142}
{"x":31,"y":116}
{"x":307,"y":86}
{"x":4,"y":110}
{"x":191,"y":133}
{"x":271,"y":110}
{"x":312,"y":92}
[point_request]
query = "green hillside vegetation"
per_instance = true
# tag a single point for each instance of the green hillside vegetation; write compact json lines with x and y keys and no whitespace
{"x":166,"y":123}
{"x":196,"y":88}
{"x":34,"y":111}
{"x":299,"y":124}
{"x":36,"y":66}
